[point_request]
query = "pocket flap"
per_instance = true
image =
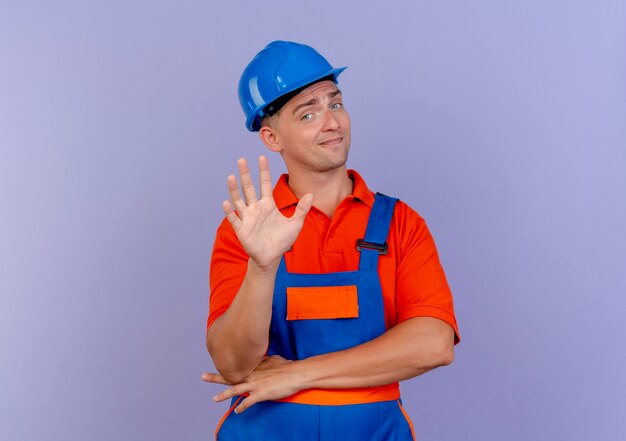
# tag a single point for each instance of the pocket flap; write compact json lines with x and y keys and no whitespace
{"x":322,"y":302}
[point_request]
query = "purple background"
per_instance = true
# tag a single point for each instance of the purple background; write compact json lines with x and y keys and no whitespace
{"x":502,"y":123}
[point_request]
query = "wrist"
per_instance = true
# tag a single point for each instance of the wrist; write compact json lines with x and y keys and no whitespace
{"x":263,"y":269}
{"x":304,"y":373}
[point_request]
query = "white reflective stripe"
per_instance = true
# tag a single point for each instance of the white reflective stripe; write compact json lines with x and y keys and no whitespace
{"x":255,"y":93}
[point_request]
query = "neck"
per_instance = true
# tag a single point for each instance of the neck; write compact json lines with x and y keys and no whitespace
{"x":328,"y":188}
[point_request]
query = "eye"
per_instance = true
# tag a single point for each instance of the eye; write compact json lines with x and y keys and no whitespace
{"x":307,"y":116}
{"x":336,"y":106}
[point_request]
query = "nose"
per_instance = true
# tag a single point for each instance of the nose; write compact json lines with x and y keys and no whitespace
{"x":330,"y":121}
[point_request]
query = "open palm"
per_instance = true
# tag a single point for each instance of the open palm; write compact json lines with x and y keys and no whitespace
{"x":261,"y":228}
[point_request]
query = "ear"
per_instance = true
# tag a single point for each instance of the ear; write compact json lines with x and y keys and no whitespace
{"x":269,"y":138}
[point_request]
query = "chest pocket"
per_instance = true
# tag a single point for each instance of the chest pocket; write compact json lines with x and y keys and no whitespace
{"x":322,"y":302}
{"x":322,"y":318}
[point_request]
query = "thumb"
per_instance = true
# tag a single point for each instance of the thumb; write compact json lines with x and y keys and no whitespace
{"x":304,"y":205}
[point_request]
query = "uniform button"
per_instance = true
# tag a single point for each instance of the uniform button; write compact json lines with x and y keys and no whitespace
{"x":320,"y":216}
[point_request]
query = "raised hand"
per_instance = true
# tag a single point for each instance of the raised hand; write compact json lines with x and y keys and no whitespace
{"x":263,"y":231}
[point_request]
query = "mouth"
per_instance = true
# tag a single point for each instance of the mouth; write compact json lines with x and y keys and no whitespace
{"x":332,"y":141}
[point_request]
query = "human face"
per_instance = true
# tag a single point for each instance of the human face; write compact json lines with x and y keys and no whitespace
{"x":313,"y":129}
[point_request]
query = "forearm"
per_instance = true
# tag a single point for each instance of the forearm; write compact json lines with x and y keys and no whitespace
{"x":409,"y":349}
{"x":238,"y":340}
{"x":405,"y":351}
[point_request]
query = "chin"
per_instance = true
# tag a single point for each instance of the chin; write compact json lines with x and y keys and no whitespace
{"x":327,"y":164}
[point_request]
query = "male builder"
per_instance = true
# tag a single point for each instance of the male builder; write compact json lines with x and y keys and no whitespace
{"x":324,"y":295}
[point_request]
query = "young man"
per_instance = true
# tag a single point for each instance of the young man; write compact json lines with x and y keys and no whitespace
{"x":323,"y":295}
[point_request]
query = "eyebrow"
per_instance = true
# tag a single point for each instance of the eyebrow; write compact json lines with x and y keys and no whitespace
{"x":310,"y":102}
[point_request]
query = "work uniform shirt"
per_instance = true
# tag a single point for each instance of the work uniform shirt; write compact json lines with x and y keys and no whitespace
{"x":412,"y":279}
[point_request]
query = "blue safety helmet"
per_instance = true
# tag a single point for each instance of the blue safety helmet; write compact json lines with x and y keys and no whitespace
{"x":276,"y":74}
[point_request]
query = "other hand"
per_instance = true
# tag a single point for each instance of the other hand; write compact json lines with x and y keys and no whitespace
{"x":273,"y":379}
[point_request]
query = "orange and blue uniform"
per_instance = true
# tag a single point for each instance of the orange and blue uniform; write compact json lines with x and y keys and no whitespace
{"x":336,"y":305}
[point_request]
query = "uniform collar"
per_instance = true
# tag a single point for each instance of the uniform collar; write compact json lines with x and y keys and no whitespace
{"x":284,"y":197}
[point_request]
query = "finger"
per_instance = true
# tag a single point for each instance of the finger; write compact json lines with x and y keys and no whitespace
{"x":304,"y":205}
{"x":235,"y":197}
{"x":249,"y":192}
{"x":210,"y":377}
{"x":264,"y":177}
{"x":232,"y":217}
{"x":247,"y":403}
{"x":234,"y":391}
